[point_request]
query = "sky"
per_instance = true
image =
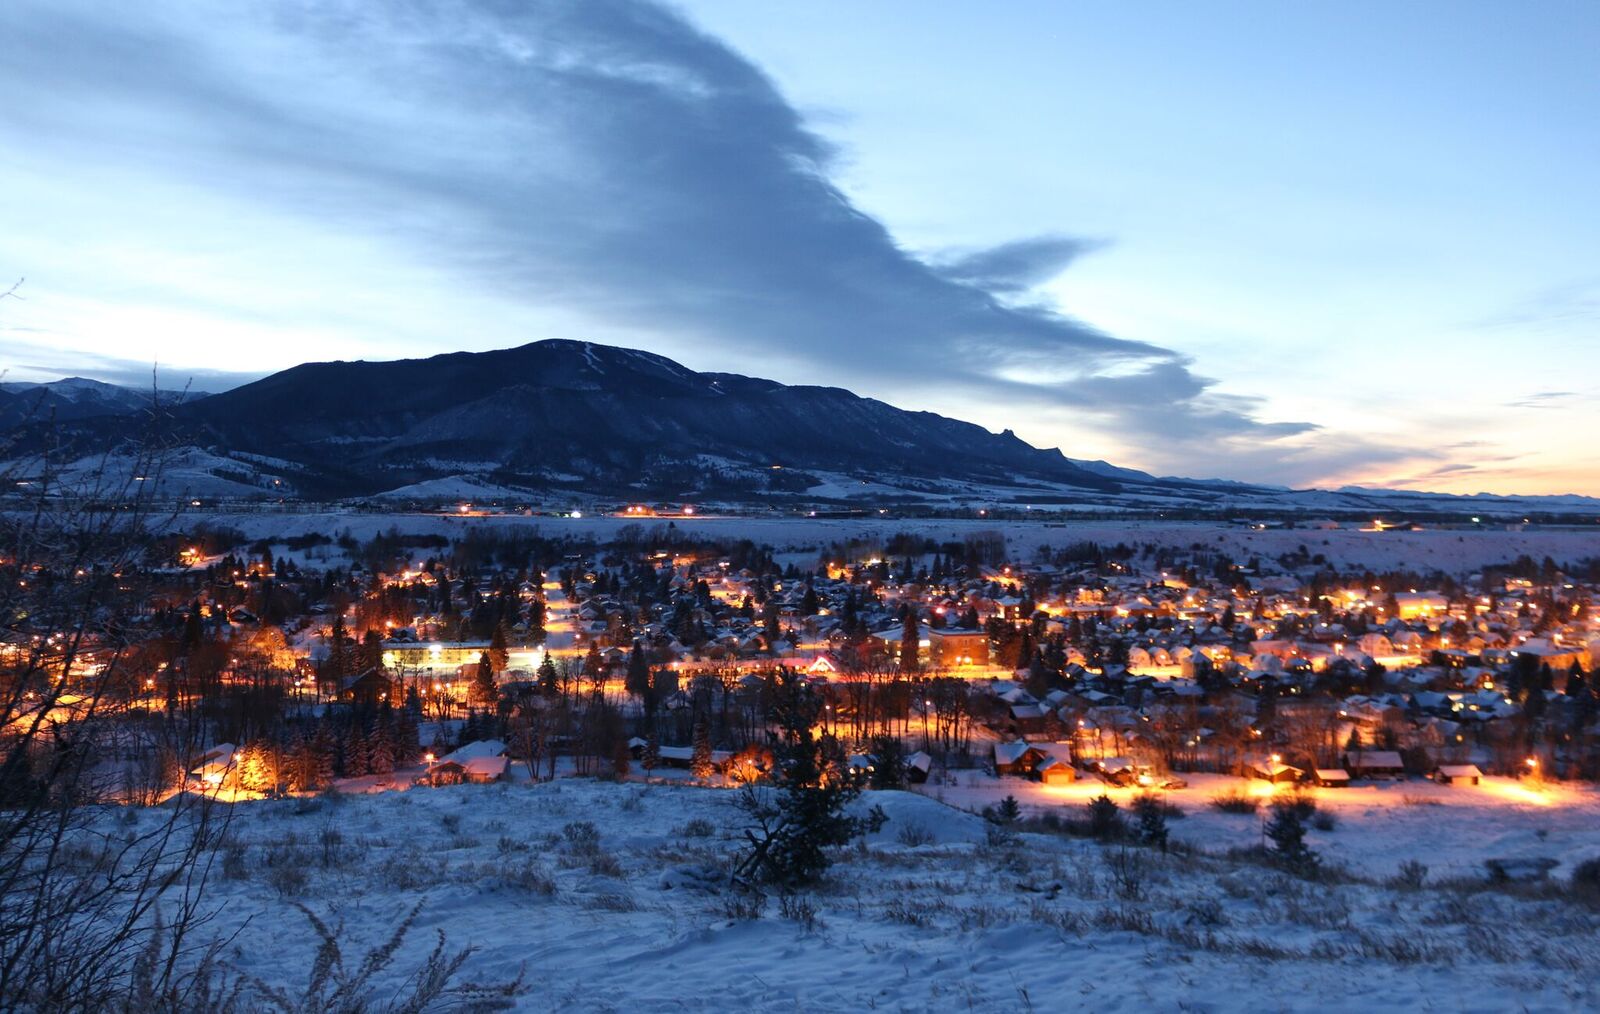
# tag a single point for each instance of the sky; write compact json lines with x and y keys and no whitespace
{"x":1308,"y":244}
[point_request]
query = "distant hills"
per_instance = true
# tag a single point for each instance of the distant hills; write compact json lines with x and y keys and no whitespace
{"x":575,"y":419}
{"x":70,"y":399}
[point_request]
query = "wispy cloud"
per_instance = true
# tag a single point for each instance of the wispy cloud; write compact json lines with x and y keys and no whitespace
{"x":1543,"y":399}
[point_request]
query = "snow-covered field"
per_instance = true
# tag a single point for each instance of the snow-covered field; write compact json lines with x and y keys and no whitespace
{"x":1451,"y":829}
{"x":597,"y":892}
{"x":1454,"y":551}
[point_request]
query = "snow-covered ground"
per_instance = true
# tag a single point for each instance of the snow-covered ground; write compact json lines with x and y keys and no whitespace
{"x":603,"y":896}
{"x":1451,"y":829}
{"x":1450,"y":550}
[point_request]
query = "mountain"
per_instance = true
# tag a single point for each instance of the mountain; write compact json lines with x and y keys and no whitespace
{"x":72,"y":399}
{"x":572,"y":421}
{"x":609,"y":418}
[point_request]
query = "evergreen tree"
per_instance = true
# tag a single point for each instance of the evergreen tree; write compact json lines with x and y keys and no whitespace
{"x":355,"y":753}
{"x":1151,"y":814}
{"x":1287,"y":830}
{"x":499,"y":654}
{"x":380,"y":751}
{"x":910,"y":634}
{"x":700,"y":764}
{"x":371,"y":650}
{"x":652,"y":753}
{"x":1105,"y":818}
{"x":802,"y":815}
{"x":638,"y":678}
{"x":808,"y":603}
{"x":549,"y":679}
{"x":621,"y":758}
{"x":888,"y":763}
{"x":1007,"y":812}
{"x":484,"y":689}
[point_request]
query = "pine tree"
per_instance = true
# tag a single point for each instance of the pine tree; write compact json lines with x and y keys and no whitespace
{"x":700,"y":763}
{"x":621,"y":758}
{"x":1152,"y":817}
{"x":499,"y":654}
{"x":802,"y":815}
{"x":1287,"y":830}
{"x":323,"y":756}
{"x":638,"y":679}
{"x":380,"y":751}
{"x":888,"y":763}
{"x":1105,"y":817}
{"x":1008,"y":812}
{"x":549,"y":679}
{"x":909,"y":636}
{"x":652,"y":753}
{"x":355,"y":753}
{"x":484,"y":689}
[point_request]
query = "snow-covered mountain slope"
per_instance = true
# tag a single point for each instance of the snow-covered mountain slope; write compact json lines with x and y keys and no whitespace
{"x":566,"y":418}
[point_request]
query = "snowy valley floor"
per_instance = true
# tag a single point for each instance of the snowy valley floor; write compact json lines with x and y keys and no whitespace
{"x":593,"y":890}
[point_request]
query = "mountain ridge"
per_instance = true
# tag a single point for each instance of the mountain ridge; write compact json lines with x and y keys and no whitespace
{"x":569,"y":417}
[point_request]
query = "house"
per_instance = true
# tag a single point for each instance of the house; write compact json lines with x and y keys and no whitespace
{"x":953,"y":646}
{"x":1016,"y":758}
{"x":1332,"y":778}
{"x":1374,"y":764}
{"x":918,"y":766}
{"x":1274,"y":771}
{"x":479,"y":762}
{"x":213,"y":766}
{"x":369,"y":687}
{"x":1054,"y":771}
{"x":1458,"y":774}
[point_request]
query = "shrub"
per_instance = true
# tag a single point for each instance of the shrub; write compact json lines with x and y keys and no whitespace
{"x":581,"y":836}
{"x":1235,"y":801}
{"x":913,"y":834}
{"x":1324,"y":820}
{"x":288,"y":879}
{"x":1586,"y":879}
{"x":798,"y":909}
{"x":1127,"y":871}
{"x":1410,"y":876}
{"x":699,"y":827}
{"x":1206,"y":912}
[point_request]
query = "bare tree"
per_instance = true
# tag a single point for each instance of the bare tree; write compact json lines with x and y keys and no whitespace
{"x":91,"y":914}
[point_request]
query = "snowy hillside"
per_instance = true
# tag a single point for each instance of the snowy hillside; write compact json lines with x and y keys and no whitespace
{"x":608,"y":897}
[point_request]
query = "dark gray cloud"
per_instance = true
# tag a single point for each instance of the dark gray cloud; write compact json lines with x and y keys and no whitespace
{"x":603,"y":155}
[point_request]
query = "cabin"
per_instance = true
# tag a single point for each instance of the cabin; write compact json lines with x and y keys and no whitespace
{"x":1331,"y":778}
{"x":918,"y":766}
{"x":213,"y":766}
{"x":369,"y":687}
{"x":1458,"y":774}
{"x":1274,"y":771}
{"x":1374,"y":764}
{"x":479,"y":762}
{"x":1016,"y":758}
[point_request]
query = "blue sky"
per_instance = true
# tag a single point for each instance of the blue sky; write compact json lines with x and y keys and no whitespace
{"x":1308,"y":243}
